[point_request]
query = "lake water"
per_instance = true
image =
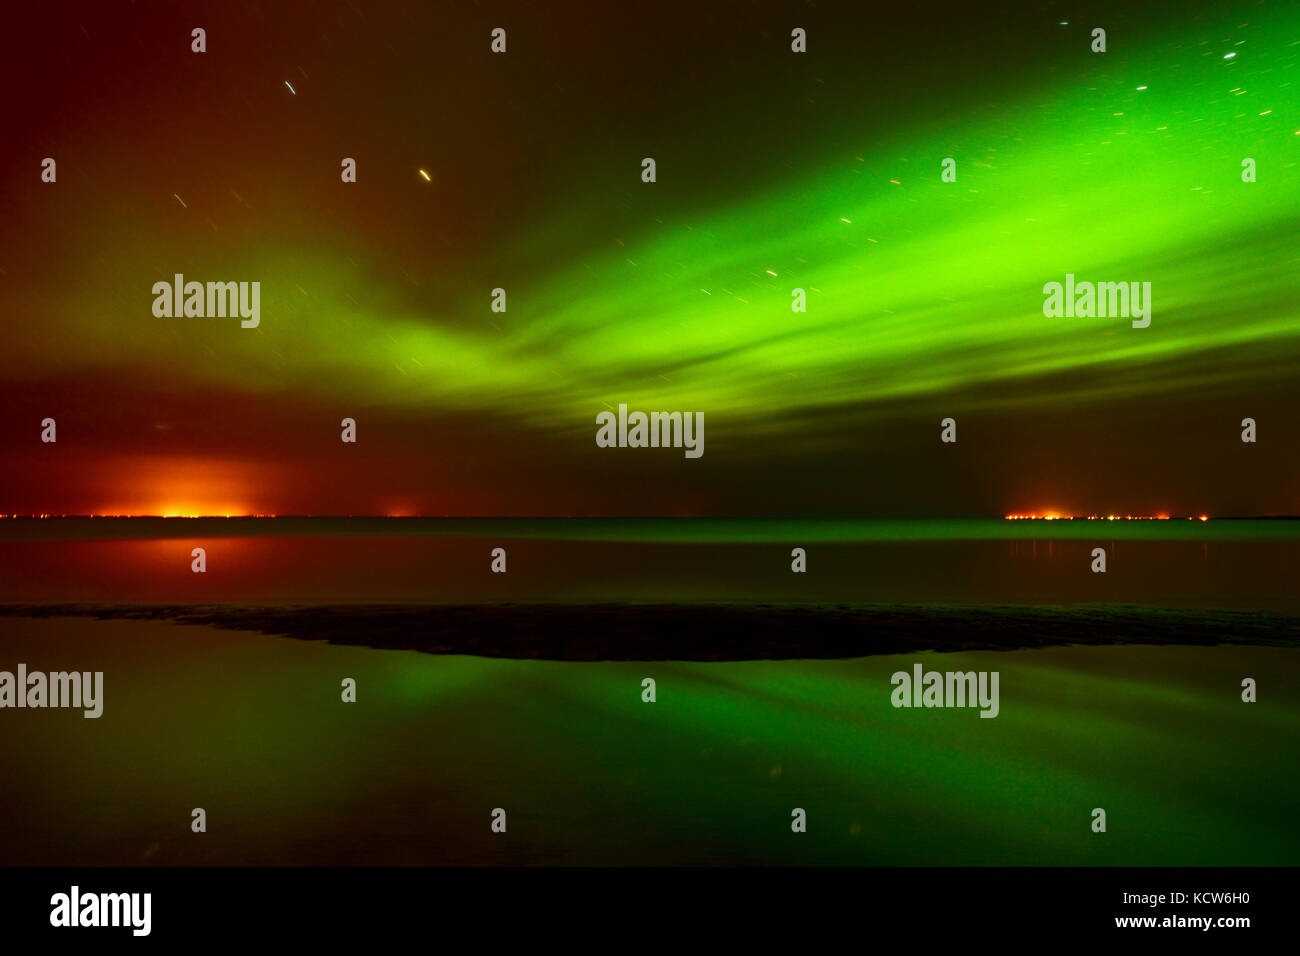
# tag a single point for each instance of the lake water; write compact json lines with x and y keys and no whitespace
{"x":251,"y":727}
{"x":1228,"y":564}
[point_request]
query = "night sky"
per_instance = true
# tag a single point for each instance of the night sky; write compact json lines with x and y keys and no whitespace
{"x":775,"y":170}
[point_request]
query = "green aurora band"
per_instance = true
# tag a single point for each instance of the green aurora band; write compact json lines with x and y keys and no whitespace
{"x":916,"y":288}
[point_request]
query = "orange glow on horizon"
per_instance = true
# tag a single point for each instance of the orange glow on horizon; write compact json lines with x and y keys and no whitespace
{"x":169,"y":514}
{"x":1051,"y":516}
{"x":185,"y":488}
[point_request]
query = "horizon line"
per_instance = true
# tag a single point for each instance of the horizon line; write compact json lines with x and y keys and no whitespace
{"x":552,"y":517}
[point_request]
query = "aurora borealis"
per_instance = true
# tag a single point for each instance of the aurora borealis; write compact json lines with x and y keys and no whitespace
{"x":775,"y":170}
{"x":611,"y":434}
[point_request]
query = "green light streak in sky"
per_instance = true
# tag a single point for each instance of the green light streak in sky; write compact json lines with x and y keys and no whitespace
{"x":928,"y":288}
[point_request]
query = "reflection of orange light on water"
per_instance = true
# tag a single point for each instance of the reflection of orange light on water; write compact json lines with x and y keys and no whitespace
{"x":167,"y":558}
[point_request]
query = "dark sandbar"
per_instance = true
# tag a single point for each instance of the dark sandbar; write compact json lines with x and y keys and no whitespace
{"x":711,"y":632}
